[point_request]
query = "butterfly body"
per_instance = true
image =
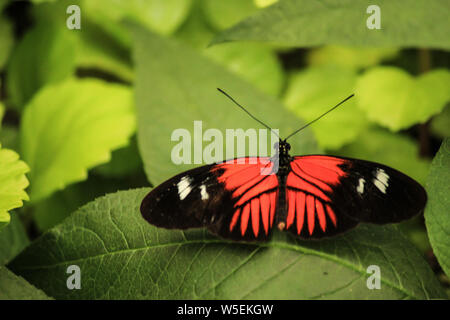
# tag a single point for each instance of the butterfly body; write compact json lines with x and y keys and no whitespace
{"x":312,"y":196}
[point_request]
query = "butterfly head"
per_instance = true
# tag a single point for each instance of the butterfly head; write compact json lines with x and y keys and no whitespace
{"x":282,"y":147}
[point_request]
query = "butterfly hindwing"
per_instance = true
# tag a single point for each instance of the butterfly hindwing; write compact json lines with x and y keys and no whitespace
{"x":235,"y":199}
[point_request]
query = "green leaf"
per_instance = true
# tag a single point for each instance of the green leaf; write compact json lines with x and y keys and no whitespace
{"x":16,"y":288}
{"x":124,"y":162}
{"x":162,"y":16}
{"x":54,"y":209}
{"x":9,"y":137}
{"x":2,"y":112}
{"x":437,"y":210}
{"x":71,"y":127}
{"x":308,"y":23}
{"x":12,"y":183}
{"x":98,"y":48}
{"x":394,"y":150}
{"x":441,"y":123}
{"x":6,"y":39}
{"x":394,"y":99}
{"x":223,"y":14}
{"x":13,"y":240}
{"x":314,"y":91}
{"x":350,"y":57}
{"x":175,"y":80}
{"x":45,"y":55}
{"x":256,"y":63}
{"x":121,"y":256}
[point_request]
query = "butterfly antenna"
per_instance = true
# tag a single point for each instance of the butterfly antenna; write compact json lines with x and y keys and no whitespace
{"x":236,"y":103}
{"x":310,"y":123}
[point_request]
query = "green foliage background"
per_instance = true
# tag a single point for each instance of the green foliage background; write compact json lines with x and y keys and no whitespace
{"x":88,"y":113}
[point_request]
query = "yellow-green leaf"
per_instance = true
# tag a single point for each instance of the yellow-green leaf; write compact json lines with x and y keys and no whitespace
{"x":394,"y":99}
{"x":71,"y":127}
{"x":12,"y":183}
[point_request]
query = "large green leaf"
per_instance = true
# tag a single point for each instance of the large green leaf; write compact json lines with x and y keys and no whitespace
{"x":314,"y":91}
{"x":16,"y":288}
{"x":12,"y":183}
{"x":394,"y":150}
{"x":175,"y":85}
{"x":71,"y":127}
{"x":46,"y":54}
{"x":121,"y":256}
{"x":437,"y":214}
{"x":13,"y":240}
{"x":441,"y":123}
{"x":419,"y":23}
{"x":396,"y":100}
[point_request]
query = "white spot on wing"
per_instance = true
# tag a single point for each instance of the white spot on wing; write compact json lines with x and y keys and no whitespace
{"x":184,"y":187}
{"x":203,"y":192}
{"x":360,"y":187}
{"x":381,"y":180}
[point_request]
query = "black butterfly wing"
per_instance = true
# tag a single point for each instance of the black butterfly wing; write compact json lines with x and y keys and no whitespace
{"x":328,"y":195}
{"x":235,"y":199}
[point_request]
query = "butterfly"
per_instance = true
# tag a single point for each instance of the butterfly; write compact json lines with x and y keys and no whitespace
{"x":310,"y":196}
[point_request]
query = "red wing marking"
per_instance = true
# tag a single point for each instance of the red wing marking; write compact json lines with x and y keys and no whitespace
{"x":309,"y":187}
{"x":265,"y":207}
{"x":291,"y":208}
{"x":331,"y":214}
{"x":244,"y":218}
{"x":296,"y":182}
{"x":321,"y":214}
{"x":324,"y":168}
{"x":301,"y":200}
{"x":254,"y":190}
{"x":255,"y":216}
{"x":310,"y":212}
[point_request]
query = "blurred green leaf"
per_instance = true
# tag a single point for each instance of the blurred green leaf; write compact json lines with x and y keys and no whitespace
{"x":46,"y":54}
{"x":176,"y":80}
{"x":223,"y":14}
{"x":71,"y":127}
{"x":54,"y":209}
{"x":2,"y":111}
{"x":391,"y":149}
{"x":97,"y":48}
{"x":308,"y":23}
{"x":264,"y":3}
{"x":256,"y":63}
{"x":350,"y":57}
{"x":314,"y":91}
{"x":6,"y":39}
{"x":195,"y":30}
{"x":393,"y":98}
{"x":162,"y":16}
{"x":16,"y":288}
{"x":441,"y":123}
{"x":109,"y":239}
{"x":437,"y":210}
{"x":9,"y":137}
{"x":124,"y":161}
{"x":12,"y":183}
{"x":13,"y":240}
